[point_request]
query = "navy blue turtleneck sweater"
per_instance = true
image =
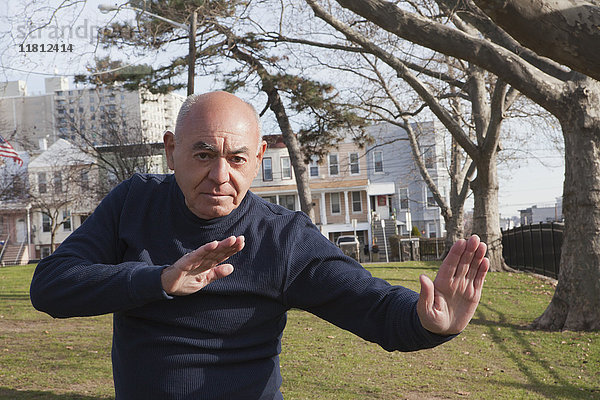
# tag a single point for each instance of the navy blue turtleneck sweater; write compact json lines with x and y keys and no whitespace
{"x":222,"y":342}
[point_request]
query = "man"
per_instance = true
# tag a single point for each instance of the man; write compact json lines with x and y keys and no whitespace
{"x":187,"y":326}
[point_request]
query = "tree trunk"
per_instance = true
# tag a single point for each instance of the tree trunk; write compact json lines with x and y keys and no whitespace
{"x":485,"y":212}
{"x":454,"y":228}
{"x":576,"y":302}
{"x":293,"y":146}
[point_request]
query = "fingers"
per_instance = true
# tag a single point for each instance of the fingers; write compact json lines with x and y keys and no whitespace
{"x":478,"y":257}
{"x":213,"y":253}
{"x":463,"y":259}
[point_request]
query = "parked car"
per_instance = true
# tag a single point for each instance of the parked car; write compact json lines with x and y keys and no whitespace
{"x":346,"y":240}
{"x":349,"y":246}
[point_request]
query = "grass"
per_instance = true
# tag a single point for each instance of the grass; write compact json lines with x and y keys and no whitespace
{"x":497,"y":357}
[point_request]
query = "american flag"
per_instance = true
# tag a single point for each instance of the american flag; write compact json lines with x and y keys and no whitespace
{"x":6,"y":150}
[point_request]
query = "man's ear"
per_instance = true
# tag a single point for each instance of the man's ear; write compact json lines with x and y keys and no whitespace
{"x":261,"y":151}
{"x":169,"y":141}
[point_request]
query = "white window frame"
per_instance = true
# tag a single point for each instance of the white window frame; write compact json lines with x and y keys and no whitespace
{"x":354,"y":202}
{"x":337,"y":164}
{"x":427,"y":192}
{"x":286,"y":160}
{"x":67,"y":222}
{"x":351,"y":164}
{"x":314,"y":164}
{"x":400,"y":198}
{"x":380,"y":153}
{"x":264,"y":169}
{"x":339,"y":203}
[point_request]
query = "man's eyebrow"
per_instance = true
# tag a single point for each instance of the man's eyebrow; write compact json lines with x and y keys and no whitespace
{"x":241,"y":150}
{"x":204,"y":146}
{"x":209,"y":147}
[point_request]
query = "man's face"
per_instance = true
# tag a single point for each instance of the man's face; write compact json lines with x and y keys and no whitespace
{"x":215,"y":154}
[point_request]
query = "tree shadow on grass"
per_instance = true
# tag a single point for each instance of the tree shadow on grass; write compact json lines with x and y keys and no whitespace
{"x":12,"y":394}
{"x":558,"y":386}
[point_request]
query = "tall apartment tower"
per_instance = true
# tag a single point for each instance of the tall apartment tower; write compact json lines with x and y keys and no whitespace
{"x":33,"y":123}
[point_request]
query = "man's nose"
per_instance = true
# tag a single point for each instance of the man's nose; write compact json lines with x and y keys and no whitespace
{"x":219,"y":171}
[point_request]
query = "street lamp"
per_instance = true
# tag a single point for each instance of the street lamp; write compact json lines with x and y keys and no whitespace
{"x":191,"y":29}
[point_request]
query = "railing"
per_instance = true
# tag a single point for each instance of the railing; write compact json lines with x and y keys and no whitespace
{"x":535,"y":248}
{"x":4,"y":246}
{"x":20,"y":254}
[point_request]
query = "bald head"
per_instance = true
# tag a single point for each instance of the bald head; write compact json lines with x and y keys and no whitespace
{"x":222,"y":102}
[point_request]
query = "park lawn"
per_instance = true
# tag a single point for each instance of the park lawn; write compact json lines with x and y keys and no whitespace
{"x":496,"y":357}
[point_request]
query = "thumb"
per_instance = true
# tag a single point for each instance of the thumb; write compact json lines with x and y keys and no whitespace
{"x":426,"y":297}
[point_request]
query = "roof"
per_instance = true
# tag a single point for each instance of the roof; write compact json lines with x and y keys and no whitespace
{"x":61,"y":153}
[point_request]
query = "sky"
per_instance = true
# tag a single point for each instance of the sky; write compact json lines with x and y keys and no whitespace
{"x":522,"y":185}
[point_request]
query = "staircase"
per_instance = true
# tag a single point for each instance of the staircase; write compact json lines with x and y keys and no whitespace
{"x":390,"y":230}
{"x":14,"y":254}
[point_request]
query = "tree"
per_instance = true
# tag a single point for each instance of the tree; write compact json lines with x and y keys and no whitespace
{"x":486,"y":117}
{"x":60,"y":181}
{"x":227,"y":32}
{"x":573,"y":98}
{"x":552,"y":29}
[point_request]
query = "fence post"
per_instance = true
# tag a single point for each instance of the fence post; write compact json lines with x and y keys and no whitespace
{"x":542,"y":249}
{"x":553,"y":249}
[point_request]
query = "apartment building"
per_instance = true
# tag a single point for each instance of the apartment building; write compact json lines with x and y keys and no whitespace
{"x":34,"y":122}
{"x":338,"y":185}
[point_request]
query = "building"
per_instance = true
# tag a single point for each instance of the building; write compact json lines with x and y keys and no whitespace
{"x":34,"y":122}
{"x":535,"y":214}
{"x":338,"y":184}
{"x":397,"y":190}
{"x":61,"y":195}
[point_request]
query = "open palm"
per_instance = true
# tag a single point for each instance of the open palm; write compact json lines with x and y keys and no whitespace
{"x":447,"y":304}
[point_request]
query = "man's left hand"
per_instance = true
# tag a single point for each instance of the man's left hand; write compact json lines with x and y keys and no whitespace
{"x":447,"y":304}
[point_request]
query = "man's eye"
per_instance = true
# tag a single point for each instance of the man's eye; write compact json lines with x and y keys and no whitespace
{"x":202,"y":156}
{"x":238,"y":160}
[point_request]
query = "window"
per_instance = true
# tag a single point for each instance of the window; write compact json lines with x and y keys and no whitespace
{"x":378,"y":161}
{"x":42,"y":182}
{"x":430,"y":199}
{"x":354,"y":165}
{"x":286,"y":168}
{"x":85,"y":180}
{"x":267,"y":169}
{"x":356,"y":202}
{"x":66,"y":220}
{"x":57,"y":182}
{"x":336,"y":207}
{"x":314,"y":167}
{"x":432,"y":230}
{"x":46,"y":224}
{"x":334,"y":167}
{"x":288,"y":201}
{"x":270,"y":199}
{"x":428,"y":157}
{"x":404,"y":198}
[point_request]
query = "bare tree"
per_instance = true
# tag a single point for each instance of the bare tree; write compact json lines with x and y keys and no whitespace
{"x":573,"y":98}
{"x":488,"y":107}
{"x":60,"y":182}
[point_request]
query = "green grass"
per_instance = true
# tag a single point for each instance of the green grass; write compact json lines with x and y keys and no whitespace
{"x":497,"y":357}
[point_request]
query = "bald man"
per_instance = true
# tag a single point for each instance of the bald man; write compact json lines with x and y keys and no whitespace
{"x":189,"y":326}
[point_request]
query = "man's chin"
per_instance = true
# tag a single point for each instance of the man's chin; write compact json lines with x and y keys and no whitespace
{"x":209,"y":207}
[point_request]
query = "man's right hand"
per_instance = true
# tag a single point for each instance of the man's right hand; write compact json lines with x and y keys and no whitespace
{"x":200,"y":267}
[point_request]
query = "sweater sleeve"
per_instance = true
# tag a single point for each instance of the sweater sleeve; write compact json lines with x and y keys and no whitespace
{"x":325,"y":282}
{"x":85,"y":275}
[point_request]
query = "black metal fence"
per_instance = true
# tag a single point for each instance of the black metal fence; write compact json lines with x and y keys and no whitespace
{"x":535,"y":248}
